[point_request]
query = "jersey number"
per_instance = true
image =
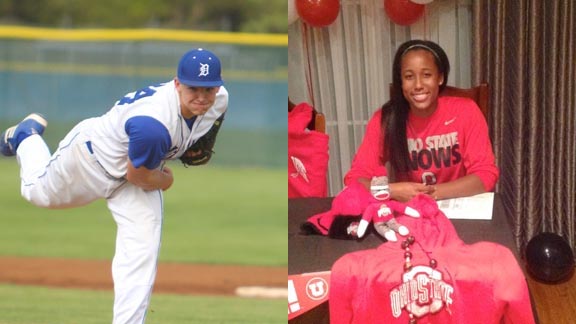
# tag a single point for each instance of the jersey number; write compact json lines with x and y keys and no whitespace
{"x":142,"y":93}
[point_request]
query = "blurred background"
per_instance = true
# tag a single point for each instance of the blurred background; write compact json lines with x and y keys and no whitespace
{"x":72,"y":59}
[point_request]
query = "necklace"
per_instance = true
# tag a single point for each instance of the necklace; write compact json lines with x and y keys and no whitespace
{"x":409,"y":241}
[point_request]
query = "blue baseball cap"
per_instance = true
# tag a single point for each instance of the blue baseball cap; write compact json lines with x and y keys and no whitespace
{"x":200,"y":68}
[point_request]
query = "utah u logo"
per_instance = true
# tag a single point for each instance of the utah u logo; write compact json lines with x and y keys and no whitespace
{"x":204,"y":69}
{"x":317,"y":288}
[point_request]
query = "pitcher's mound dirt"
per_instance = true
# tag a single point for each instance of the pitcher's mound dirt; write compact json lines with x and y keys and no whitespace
{"x":171,"y":277}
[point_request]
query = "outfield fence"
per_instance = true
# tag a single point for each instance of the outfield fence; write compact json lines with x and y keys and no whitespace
{"x":69,"y":75}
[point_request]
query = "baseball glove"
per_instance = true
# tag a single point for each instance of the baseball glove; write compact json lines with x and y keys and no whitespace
{"x":201,"y":151}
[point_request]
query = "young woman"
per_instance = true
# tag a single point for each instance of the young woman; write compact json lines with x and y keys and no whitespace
{"x":430,"y":144}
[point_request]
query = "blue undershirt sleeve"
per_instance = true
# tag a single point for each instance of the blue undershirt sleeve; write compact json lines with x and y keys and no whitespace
{"x":149,"y":141}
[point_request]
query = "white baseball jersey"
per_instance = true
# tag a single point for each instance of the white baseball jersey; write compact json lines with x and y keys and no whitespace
{"x":156,"y":109}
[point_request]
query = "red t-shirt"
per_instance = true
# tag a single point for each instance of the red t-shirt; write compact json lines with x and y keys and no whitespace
{"x":450,"y":143}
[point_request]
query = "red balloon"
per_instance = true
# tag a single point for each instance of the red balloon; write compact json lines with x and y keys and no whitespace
{"x":318,"y":13}
{"x":403,"y":12}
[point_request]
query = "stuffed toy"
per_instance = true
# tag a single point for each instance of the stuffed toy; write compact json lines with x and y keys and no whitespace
{"x":382,"y":215}
{"x":355,"y":207}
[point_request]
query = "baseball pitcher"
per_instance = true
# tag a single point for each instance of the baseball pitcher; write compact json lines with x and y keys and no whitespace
{"x":120,"y":156}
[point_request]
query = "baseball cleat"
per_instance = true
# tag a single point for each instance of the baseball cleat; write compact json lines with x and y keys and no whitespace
{"x":13,"y":136}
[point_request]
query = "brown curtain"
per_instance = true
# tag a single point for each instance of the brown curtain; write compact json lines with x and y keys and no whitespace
{"x":526,"y":51}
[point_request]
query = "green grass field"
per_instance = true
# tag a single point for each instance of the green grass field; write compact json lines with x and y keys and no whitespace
{"x":39,"y":305}
{"x":213,"y":215}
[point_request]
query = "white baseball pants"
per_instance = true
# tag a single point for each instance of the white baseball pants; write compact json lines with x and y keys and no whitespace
{"x":73,"y":177}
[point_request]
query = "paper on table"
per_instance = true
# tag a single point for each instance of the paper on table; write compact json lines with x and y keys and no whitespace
{"x":472,"y":207}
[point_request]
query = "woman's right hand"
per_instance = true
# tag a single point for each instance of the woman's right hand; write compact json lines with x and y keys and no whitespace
{"x":405,"y":191}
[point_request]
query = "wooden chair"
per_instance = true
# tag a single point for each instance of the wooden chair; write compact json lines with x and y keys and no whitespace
{"x":318,"y":122}
{"x":480,"y":94}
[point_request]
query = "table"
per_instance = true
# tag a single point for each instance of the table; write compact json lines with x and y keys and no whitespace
{"x":312,"y":253}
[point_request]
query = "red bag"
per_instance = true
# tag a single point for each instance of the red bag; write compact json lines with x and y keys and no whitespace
{"x":307,"y":155}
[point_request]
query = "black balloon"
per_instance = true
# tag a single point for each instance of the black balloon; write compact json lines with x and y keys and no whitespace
{"x":549,"y":258}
